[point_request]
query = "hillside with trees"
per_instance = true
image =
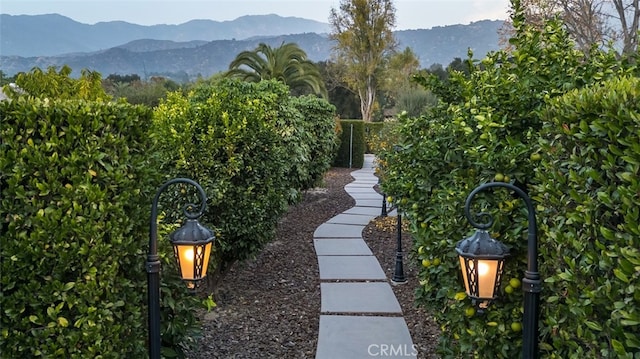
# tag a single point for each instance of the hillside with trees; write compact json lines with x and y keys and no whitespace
{"x":187,"y":59}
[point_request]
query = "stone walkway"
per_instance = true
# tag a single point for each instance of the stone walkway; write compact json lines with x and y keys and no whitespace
{"x":360,"y":315}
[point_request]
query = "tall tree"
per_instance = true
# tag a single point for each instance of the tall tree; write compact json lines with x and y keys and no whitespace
{"x":287,"y":63}
{"x":590,"y":22}
{"x":629,"y":19}
{"x":363,"y":32}
{"x":399,"y":69}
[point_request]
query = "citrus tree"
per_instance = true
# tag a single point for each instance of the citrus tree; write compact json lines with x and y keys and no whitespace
{"x":486,"y":128}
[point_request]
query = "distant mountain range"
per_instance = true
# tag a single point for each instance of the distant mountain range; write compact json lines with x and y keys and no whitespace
{"x":200,"y":47}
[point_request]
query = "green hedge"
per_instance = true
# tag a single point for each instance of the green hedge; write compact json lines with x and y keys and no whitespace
{"x":352,"y":144}
{"x":485,"y":128}
{"x":250,"y":148}
{"x":77,"y":178}
{"x":320,"y":125}
{"x":76,"y":183}
{"x":589,"y":211}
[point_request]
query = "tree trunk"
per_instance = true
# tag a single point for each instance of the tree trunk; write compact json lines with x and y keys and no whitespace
{"x":628,"y":29}
{"x":367,"y":100}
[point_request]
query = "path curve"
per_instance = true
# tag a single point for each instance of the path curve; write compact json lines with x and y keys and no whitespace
{"x":360,"y":316}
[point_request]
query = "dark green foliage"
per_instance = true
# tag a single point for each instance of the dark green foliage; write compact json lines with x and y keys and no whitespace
{"x":77,"y":178}
{"x":415,"y":101}
{"x":137,"y":92}
{"x":5,"y":80}
{"x":589,"y":213}
{"x":346,"y":102}
{"x":76,"y":181}
{"x":115,"y":78}
{"x":352,"y":144}
{"x":248,"y":146}
{"x":488,"y":123}
{"x":319,"y":125}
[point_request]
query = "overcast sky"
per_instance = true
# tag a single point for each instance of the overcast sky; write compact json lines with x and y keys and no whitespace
{"x":410,"y":14}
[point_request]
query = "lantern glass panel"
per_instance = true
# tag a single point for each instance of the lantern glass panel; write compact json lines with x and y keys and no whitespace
{"x":465,"y":278}
{"x":193,"y":260}
{"x":481,"y":276}
{"x":487,"y":277}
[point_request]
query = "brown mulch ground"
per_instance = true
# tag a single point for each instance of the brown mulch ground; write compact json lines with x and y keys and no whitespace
{"x":269,"y":307}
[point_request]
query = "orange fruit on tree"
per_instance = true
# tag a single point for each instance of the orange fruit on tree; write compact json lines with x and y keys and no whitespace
{"x":515,"y":282}
{"x":470,"y":311}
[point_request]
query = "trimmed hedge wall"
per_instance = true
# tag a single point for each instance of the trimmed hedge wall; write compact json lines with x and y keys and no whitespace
{"x":251,"y":149}
{"x":352,"y":144}
{"x":77,"y":178}
{"x":74,"y":176}
{"x":589,"y":210}
{"x":322,"y":138}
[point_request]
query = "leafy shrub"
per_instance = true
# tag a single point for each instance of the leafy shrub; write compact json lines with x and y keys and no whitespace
{"x":319,"y":124}
{"x":589,"y":209}
{"x":59,"y":84}
{"x":231,"y":137}
{"x":415,"y":101}
{"x":485,"y":128}
{"x":75,"y":179}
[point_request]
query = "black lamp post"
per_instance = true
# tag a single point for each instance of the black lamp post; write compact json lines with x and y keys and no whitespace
{"x":191,"y":246}
{"x":398,"y":273}
{"x":488,"y":248}
{"x":383,"y":213}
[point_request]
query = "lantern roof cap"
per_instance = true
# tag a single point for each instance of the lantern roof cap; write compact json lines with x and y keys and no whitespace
{"x":480,"y":245}
{"x":192,"y":232}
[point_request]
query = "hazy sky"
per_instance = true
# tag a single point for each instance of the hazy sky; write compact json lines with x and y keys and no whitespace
{"x":410,"y":14}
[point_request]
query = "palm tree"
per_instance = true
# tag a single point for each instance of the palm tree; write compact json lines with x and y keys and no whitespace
{"x":287,"y":63}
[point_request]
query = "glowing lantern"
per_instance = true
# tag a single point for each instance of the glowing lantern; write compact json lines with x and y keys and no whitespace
{"x":482,"y":261}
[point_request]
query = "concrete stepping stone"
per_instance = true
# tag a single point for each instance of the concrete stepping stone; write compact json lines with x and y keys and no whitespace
{"x":371,"y":181}
{"x":369,"y":202}
{"x":370,"y":211}
{"x":359,"y":337}
{"x":341,"y":247}
{"x":357,"y":219}
{"x":364,"y":185}
{"x":350,"y":268}
{"x":355,"y":189}
{"x":332,"y":230}
{"x":366,"y":174}
{"x":353,"y":282}
{"x":366,"y":297}
{"x":366,"y":195}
